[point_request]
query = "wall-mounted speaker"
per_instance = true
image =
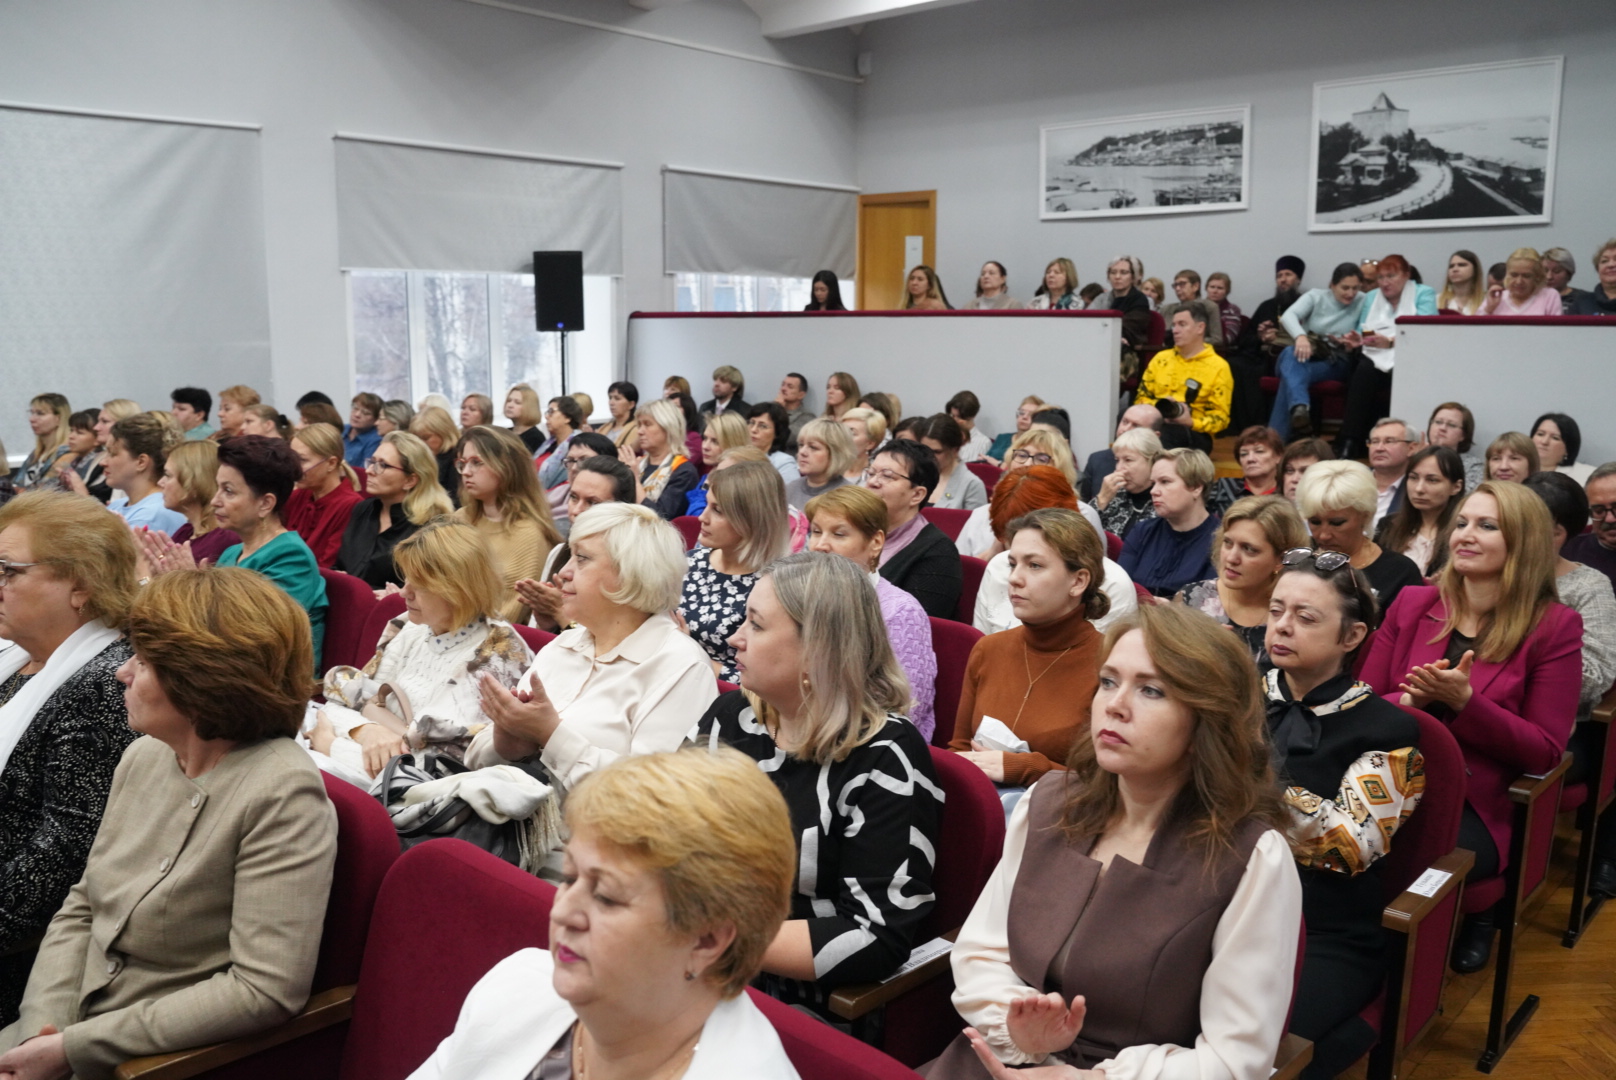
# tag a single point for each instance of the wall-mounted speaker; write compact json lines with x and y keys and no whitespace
{"x":558,"y":289}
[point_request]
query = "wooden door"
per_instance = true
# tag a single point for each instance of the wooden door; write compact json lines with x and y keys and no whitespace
{"x":885,"y":224}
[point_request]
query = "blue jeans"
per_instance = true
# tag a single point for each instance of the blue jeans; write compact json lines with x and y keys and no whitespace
{"x":1296,"y":378}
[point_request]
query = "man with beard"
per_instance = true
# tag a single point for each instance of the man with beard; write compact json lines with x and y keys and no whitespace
{"x":1253,"y":355}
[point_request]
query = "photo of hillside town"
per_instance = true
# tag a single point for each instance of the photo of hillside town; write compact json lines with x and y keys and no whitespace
{"x":1163,"y":163}
{"x":1436,"y":149}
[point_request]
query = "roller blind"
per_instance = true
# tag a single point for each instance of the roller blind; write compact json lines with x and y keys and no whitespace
{"x":133,"y":260}
{"x":718,"y":224}
{"x":415,"y":207}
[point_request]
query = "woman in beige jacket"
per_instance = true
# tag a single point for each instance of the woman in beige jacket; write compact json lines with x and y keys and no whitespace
{"x":199,"y":915}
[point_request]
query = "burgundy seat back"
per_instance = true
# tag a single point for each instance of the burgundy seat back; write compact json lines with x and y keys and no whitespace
{"x":536,"y":639}
{"x":951,"y":522}
{"x":952,"y":642}
{"x":820,"y":1052}
{"x":447,"y":913}
{"x":386,"y":610}
{"x":727,"y":687}
{"x":972,"y":840}
{"x":351,"y":601}
{"x":972,"y":568}
{"x":367,"y":847}
{"x":689,"y":528}
{"x":1113,"y":546}
{"x":1156,"y":336}
{"x":987,"y":472}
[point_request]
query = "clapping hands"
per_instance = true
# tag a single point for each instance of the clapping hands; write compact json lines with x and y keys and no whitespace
{"x":1439,"y":682}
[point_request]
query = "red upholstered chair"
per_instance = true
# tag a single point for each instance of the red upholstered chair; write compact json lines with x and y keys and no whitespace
{"x":950,"y":521}
{"x":727,"y":687}
{"x":536,"y":639}
{"x":952,"y":642}
{"x":820,"y":1052}
{"x":1113,"y":546}
{"x":689,"y":528}
{"x":987,"y":472}
{"x":351,"y":601}
{"x":1156,"y":336}
{"x":1143,"y":594}
{"x":973,"y":569}
{"x":1589,"y":799}
{"x":386,"y":610}
{"x":920,"y":1021}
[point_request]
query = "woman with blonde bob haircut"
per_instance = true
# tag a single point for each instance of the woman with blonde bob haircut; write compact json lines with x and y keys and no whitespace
{"x":624,"y":679}
{"x":818,"y":710}
{"x":432,"y":656}
{"x":525,"y":412}
{"x":679,"y":873}
{"x":866,"y":427}
{"x":501,"y":497}
{"x":1037,"y":446}
{"x":1337,"y":500}
{"x":724,"y":432}
{"x":665,"y":476}
{"x":402,"y":496}
{"x":1168,"y":819}
{"x":824,"y":454}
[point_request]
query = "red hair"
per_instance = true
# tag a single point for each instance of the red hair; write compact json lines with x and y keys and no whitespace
{"x":1031,"y":489}
{"x":1395,"y":263}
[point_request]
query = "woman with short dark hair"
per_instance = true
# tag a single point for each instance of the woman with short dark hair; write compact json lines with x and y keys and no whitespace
{"x":1558,"y":439}
{"x":1259,"y":452}
{"x":958,"y":488}
{"x":768,"y":427}
{"x":622,"y":398}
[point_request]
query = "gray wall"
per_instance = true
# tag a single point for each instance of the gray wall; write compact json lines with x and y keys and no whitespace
{"x":957,"y":96}
{"x":444,"y":71}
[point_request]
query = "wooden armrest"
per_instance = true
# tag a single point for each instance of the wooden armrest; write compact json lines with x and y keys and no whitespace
{"x":1410,"y":908}
{"x":852,"y":1002}
{"x":1294,"y":1055}
{"x":323,"y":1010}
{"x":1528,"y":788}
{"x":1605,"y":711}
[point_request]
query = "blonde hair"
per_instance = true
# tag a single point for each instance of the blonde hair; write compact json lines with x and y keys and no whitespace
{"x":851,"y":677}
{"x":532,"y":413}
{"x":837,"y":442}
{"x":1531,"y":255}
{"x":427,"y":499}
{"x":1048,"y":442}
{"x":80,"y":542}
{"x":859,"y":507}
{"x":325,"y":441}
{"x":1142,"y":441}
{"x":451,"y":559}
{"x":728,"y":428}
{"x":1192,"y":466}
{"x":520,"y":497}
{"x":1526,"y":586}
{"x":648,"y":552}
{"x":1516,"y":443}
{"x":45,"y":444}
{"x":716,"y":833}
{"x":752,"y":497}
{"x":875,"y":425}
{"x":1337,"y":485}
{"x":1282,"y":526}
{"x":668,"y":416}
{"x":195,"y":465}
{"x":433,"y":420}
{"x":241,"y":395}
{"x":585,"y":402}
{"x":120,"y":408}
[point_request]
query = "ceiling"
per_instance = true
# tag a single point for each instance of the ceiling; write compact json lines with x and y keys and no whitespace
{"x":789,"y":18}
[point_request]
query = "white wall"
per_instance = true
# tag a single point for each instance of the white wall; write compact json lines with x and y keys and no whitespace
{"x":443,"y":71}
{"x":957,"y":96}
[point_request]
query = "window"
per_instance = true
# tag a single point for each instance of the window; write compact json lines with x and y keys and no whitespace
{"x":421,"y":332}
{"x":737,"y":292}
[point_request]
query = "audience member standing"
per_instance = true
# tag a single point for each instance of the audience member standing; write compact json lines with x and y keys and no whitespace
{"x":1194,"y":379}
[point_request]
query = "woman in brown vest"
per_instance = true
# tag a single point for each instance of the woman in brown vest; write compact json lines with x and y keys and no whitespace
{"x":1147,"y":908}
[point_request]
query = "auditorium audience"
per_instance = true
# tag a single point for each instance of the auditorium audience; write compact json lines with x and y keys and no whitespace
{"x":190,"y":406}
{"x":1000,"y":447}
{"x":1525,"y":290}
{"x":1247,"y":551}
{"x":500,"y":495}
{"x":1123,"y":274}
{"x":622,"y":399}
{"x":190,"y":481}
{"x":564,"y":418}
{"x":1102,"y":463}
{"x":1454,"y":426}
{"x":665,"y":475}
{"x":1558,"y":439}
{"x":1320,"y":325}
{"x":1259,"y":451}
{"x":1187,"y":290}
{"x":825,"y":293}
{"x":1419,"y":527}
{"x":597,"y":479}
{"x":234,"y":401}
{"x":360,"y":437}
{"x":918,"y":556}
{"x":923,"y":291}
{"x":92,"y":478}
{"x":48,"y":416}
{"x":434,"y":427}
{"x":136,"y":453}
{"x":793,"y":397}
{"x":583,"y":446}
{"x":1058,"y":290}
{"x":1167,"y":552}
{"x":1036,"y":678}
{"x":1511,"y":457}
{"x":964,"y":408}
{"x":1351,"y":775}
{"x":841,"y":395}
{"x":326,"y":493}
{"x":767,"y":428}
{"x":728,"y":386}
{"x":83,"y":457}
{"x":1464,"y":289}
{"x":1189,"y":384}
{"x":820,"y":710}
{"x":888,"y":405}
{"x":993,"y":289}
{"x":429,"y":663}
{"x":1038,"y":446}
{"x":475,"y":410}
{"x":1597,"y":548}
{"x":1299,"y":455}
{"x":396,"y":416}
{"x":678,"y":873}
{"x":522,"y":409}
{"x":958,"y":488}
{"x":722,"y":433}
{"x":198,"y":917}
{"x":824,"y":454}
{"x":1501,"y":667}
{"x":1337,"y":499}
{"x":1390,"y":442}
{"x":267,"y":420}
{"x":1396,"y":294}
{"x":1218,"y":286}
{"x":1601,"y":299}
{"x":1124,"y":495}
{"x":67,"y":568}
{"x":402,"y":496}
{"x":1168,"y":817}
{"x":743,"y":529}
{"x":867,"y":429}
{"x":852,"y":522}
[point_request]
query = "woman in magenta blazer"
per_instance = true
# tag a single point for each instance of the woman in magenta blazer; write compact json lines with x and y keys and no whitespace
{"x":1490,"y":652}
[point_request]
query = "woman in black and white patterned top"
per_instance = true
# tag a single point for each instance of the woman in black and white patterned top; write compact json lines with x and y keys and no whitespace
{"x":817,"y":710}
{"x":743,"y":527}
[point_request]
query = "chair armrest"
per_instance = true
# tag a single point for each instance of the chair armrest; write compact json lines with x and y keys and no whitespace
{"x":852,"y":1002}
{"x":1411,"y":907}
{"x":1294,"y":1055}
{"x":1605,"y":711}
{"x":1528,"y":789}
{"x":323,"y":1010}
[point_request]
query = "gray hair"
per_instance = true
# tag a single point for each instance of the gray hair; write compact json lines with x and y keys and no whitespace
{"x":1337,"y":485}
{"x":1564,"y":258}
{"x":1408,"y":430}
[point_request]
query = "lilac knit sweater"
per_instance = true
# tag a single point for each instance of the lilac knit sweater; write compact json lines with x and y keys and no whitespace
{"x":910,"y":632}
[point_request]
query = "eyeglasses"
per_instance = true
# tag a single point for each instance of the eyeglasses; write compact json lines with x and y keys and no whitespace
{"x":1388,"y":442}
{"x":1022,"y":457}
{"x":9,"y":571}
{"x":887,"y":476}
{"x":378,"y":465}
{"x":1327,"y":561}
{"x":574,"y":463}
{"x":1600,"y":511}
{"x":467,"y":464}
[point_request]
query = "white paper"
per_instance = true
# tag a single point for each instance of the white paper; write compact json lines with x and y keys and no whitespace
{"x":922,"y":954}
{"x":994,"y":734}
{"x":1429,"y":882}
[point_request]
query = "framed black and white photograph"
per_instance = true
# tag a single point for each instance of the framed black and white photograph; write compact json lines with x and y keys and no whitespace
{"x":1161,"y":163}
{"x":1460,"y":146}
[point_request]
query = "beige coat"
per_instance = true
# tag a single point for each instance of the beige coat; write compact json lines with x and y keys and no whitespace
{"x":199,"y":914}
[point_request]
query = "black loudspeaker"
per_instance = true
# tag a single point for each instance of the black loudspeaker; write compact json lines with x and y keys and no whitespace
{"x":558,"y":289}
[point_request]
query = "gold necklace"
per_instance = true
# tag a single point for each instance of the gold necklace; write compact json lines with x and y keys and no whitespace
{"x":1026,"y":656}
{"x":674,"y":1067}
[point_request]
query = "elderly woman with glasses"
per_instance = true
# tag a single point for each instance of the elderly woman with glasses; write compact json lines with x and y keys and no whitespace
{"x":326,"y":492}
{"x":918,"y":557}
{"x":403,"y":495}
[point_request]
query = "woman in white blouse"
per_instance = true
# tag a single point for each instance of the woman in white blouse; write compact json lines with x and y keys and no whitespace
{"x":1180,"y":962}
{"x":625,"y":679}
{"x":432,"y":656}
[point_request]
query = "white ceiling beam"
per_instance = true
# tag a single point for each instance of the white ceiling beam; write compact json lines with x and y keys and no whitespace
{"x":788,"y":18}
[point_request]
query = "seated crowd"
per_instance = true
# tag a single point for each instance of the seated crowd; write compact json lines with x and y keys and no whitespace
{"x":696,"y":655}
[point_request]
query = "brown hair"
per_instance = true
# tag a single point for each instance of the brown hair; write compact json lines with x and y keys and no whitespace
{"x":240,"y":395}
{"x":230,"y":648}
{"x":752,"y":497}
{"x":1514,"y":442}
{"x":319,"y":412}
{"x":81,"y":543}
{"x":1207,"y":670}
{"x":147,"y":433}
{"x":1526,"y":586}
{"x":1282,"y":526}
{"x":1078,"y":546}
{"x":453,"y":560}
{"x":520,"y":496}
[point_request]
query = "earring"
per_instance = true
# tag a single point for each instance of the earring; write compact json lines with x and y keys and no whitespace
{"x":690,"y":976}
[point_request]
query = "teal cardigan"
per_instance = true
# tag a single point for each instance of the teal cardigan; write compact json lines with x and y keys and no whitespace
{"x":288,"y":562}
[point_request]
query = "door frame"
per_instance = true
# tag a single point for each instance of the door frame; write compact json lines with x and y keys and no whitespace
{"x":887,"y":198}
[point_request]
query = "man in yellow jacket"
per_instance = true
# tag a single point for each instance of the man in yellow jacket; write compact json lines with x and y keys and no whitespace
{"x":1193,"y":377}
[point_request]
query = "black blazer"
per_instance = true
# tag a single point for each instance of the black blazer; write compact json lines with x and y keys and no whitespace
{"x":1101,"y":464}
{"x":367,"y":552}
{"x":929,"y":570}
{"x":736,"y":405}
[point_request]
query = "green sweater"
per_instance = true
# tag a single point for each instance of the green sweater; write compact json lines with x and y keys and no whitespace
{"x":288,"y":562}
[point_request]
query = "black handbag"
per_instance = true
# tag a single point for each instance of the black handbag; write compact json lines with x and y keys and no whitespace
{"x":513,"y":841}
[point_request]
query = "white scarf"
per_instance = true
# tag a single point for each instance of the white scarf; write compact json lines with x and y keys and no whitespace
{"x":81,"y":646}
{"x":1382,"y":320}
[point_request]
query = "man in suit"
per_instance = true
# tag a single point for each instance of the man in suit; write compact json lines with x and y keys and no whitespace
{"x":1102,"y":463}
{"x":728,"y":386}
